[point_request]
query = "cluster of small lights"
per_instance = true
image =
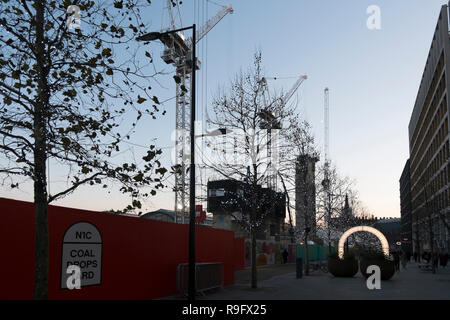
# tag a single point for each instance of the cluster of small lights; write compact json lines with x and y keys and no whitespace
{"x":377,"y":233}
{"x":236,"y":200}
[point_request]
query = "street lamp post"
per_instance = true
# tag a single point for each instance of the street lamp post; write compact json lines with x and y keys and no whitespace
{"x":155,"y":36}
{"x":307,"y":230}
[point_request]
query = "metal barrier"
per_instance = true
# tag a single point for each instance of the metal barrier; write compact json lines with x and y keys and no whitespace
{"x":208,"y":275}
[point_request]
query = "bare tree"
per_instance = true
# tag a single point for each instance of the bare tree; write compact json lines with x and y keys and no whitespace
{"x":250,"y":119}
{"x":70,"y":79}
{"x":330,"y":200}
{"x":296,"y":158}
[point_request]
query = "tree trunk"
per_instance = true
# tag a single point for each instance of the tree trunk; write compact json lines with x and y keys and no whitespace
{"x":40,"y":178}
{"x":329,"y":243}
{"x":306,"y":213}
{"x":291,"y":229}
{"x":253,"y":219}
{"x":306,"y":255}
{"x":41,"y":245}
{"x":329,"y":222}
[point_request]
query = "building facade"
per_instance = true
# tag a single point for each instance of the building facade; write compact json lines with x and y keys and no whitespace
{"x":391,"y":229}
{"x":429,"y":147}
{"x":305,"y":194}
{"x":405,"y":208}
{"x":169,"y":216}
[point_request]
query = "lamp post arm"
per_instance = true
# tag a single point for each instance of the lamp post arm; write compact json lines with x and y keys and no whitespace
{"x":177,"y":30}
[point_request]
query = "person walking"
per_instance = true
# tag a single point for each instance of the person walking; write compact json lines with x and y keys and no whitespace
{"x":415,"y":256}
{"x":435,"y":260}
{"x":426,"y":256}
{"x":396,"y":261}
{"x":441,"y":258}
{"x":285,"y":256}
{"x":404,"y":260}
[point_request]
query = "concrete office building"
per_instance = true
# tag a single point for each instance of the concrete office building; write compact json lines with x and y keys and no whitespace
{"x":405,"y":208}
{"x":429,"y":146}
{"x":305,"y":194}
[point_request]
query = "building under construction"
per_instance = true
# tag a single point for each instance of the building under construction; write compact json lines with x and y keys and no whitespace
{"x":231,"y":203}
{"x":305,"y":194}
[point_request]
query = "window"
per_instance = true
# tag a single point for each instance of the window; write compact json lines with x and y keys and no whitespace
{"x":217,"y":192}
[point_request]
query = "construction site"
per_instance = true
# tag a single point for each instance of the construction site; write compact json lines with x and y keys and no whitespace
{"x":195,"y":150}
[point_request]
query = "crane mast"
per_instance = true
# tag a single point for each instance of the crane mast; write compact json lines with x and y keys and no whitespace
{"x":326,"y":125}
{"x":271,"y":121}
{"x":326,"y":180}
{"x":178,"y":52}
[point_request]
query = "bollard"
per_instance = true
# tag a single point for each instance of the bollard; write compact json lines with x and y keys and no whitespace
{"x":299,"y":267}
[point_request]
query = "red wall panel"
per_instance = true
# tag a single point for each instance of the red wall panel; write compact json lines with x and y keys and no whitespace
{"x":239,"y":253}
{"x":17,"y":247}
{"x":139,"y":256}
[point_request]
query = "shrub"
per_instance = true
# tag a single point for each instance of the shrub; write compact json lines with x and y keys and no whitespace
{"x":373,"y":255}
{"x":350,"y":255}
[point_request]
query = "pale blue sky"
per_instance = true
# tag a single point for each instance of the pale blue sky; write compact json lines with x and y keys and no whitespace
{"x":373,"y":77}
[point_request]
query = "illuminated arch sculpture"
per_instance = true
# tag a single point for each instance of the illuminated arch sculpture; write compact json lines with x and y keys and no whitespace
{"x":377,"y":233}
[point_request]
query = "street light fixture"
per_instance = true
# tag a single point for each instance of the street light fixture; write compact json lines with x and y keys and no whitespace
{"x":149,"y":36}
{"x":158,"y":36}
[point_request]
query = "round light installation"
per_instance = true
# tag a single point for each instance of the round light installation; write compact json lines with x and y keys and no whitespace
{"x":377,"y":233}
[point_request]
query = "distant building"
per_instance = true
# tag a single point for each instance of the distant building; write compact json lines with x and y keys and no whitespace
{"x":169,"y":216}
{"x":429,"y":146}
{"x":345,"y":220}
{"x":405,"y":209}
{"x":391,"y":228}
{"x":305,"y":194}
{"x":347,"y":211}
{"x":160,"y":215}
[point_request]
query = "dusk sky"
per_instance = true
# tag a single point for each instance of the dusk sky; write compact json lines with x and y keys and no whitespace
{"x":373,"y":77}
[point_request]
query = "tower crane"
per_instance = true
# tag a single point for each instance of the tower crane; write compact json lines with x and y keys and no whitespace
{"x":326,"y":177}
{"x":177,"y":52}
{"x":326,"y":123}
{"x":294,"y":88}
{"x":271,"y":121}
{"x":326,"y":111}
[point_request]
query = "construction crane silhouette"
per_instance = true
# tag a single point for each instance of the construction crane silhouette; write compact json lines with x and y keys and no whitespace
{"x":326,"y":111}
{"x":177,"y":52}
{"x":272,"y":121}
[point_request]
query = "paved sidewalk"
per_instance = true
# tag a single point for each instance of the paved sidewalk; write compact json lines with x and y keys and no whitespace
{"x":264,"y":272}
{"x":406,"y":284}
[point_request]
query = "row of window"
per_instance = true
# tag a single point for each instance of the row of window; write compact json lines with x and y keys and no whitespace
{"x":430,"y":126}
{"x":436,"y":203}
{"x":426,"y":105}
{"x":433,"y":161}
{"x":423,"y":231}
{"x":428,"y":177}
{"x":440,"y":137}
